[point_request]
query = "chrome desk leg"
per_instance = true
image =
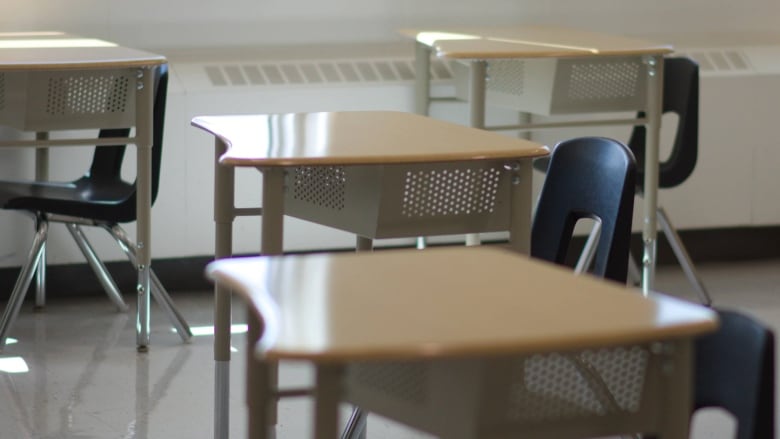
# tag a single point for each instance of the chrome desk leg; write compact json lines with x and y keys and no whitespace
{"x":655,"y":73}
{"x":159,"y":292}
{"x":41,"y":174}
{"x":144,"y":129}
{"x":224,"y":185}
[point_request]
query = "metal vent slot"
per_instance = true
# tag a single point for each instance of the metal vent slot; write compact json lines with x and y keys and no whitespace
{"x":316,"y":72}
{"x":720,"y":60}
{"x":2,"y":91}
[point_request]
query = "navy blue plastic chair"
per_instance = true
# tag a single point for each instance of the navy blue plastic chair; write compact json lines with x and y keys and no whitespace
{"x":735,"y":371}
{"x":594,"y":178}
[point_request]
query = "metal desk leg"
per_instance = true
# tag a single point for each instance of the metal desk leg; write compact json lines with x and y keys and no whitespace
{"x":144,"y":121}
{"x":677,"y":391}
{"x":521,"y":177}
{"x":655,"y":73}
{"x":41,"y":174}
{"x":224,"y":184}
{"x":477,"y":84}
{"x":422,"y":79}
{"x":272,"y":233}
{"x":327,"y":397}
{"x":422,"y":93}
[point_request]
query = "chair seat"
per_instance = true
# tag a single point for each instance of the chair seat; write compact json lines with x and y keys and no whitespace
{"x":85,"y":197}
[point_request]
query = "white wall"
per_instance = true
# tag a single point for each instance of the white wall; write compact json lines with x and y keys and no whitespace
{"x":154,"y":24}
{"x":182,"y":216}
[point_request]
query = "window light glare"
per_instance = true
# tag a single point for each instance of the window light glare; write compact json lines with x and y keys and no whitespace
{"x":13,"y":365}
{"x":200,"y":331}
{"x":30,"y":34}
{"x":429,"y":38}
{"x":45,"y":43}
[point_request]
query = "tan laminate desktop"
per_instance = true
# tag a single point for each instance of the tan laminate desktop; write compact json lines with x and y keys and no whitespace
{"x":446,"y":306}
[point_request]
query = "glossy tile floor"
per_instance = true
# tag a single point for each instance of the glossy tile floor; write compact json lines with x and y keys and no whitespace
{"x":74,"y":372}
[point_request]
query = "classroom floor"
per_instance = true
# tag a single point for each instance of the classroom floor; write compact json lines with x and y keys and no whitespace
{"x":84,"y":379}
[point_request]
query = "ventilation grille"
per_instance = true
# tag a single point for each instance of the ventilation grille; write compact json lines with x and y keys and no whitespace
{"x":438,"y":193}
{"x":507,"y":76}
{"x":618,"y":80}
{"x":313,"y":72}
{"x":80,"y":95}
{"x":323,"y":186}
{"x":559,"y":386}
{"x":720,"y":60}
{"x":404,"y":381}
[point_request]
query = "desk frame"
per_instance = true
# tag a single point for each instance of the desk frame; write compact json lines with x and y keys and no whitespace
{"x":477,"y":104}
{"x":272,"y":227}
{"x":143,"y":141}
{"x":659,"y":329}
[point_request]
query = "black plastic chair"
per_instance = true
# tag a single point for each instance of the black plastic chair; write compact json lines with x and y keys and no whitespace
{"x":588,"y":177}
{"x":681,"y":97}
{"x":100,"y":198}
{"x":735,"y":371}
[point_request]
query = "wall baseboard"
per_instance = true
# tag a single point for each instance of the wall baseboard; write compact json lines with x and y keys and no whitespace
{"x":186,"y":274}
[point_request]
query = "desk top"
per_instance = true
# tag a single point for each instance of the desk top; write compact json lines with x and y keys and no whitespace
{"x":58,"y":51}
{"x":529,"y":42}
{"x":356,"y":138}
{"x":456,"y":301}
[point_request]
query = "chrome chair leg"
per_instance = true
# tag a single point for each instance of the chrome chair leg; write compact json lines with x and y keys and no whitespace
{"x":683,"y":257}
{"x":23,"y":281}
{"x":40,"y":280}
{"x":589,"y":249}
{"x":356,"y":425}
{"x":158,"y":291}
{"x":634,"y":273}
{"x":105,"y":279}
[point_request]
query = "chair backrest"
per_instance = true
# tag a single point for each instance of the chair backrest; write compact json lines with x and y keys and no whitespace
{"x":735,"y":369}
{"x":107,"y":160}
{"x":680,"y":96}
{"x":588,"y":177}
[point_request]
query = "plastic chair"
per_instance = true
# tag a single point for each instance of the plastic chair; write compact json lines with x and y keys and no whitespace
{"x":588,"y":177}
{"x":100,"y":198}
{"x":681,"y":97}
{"x":735,"y":371}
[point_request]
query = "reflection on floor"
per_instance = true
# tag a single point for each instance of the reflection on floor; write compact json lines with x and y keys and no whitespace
{"x":74,"y":372}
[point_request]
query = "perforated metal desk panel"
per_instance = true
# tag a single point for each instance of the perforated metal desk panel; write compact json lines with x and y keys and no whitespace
{"x":52,"y":81}
{"x":548,"y":70}
{"x":473,"y":342}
